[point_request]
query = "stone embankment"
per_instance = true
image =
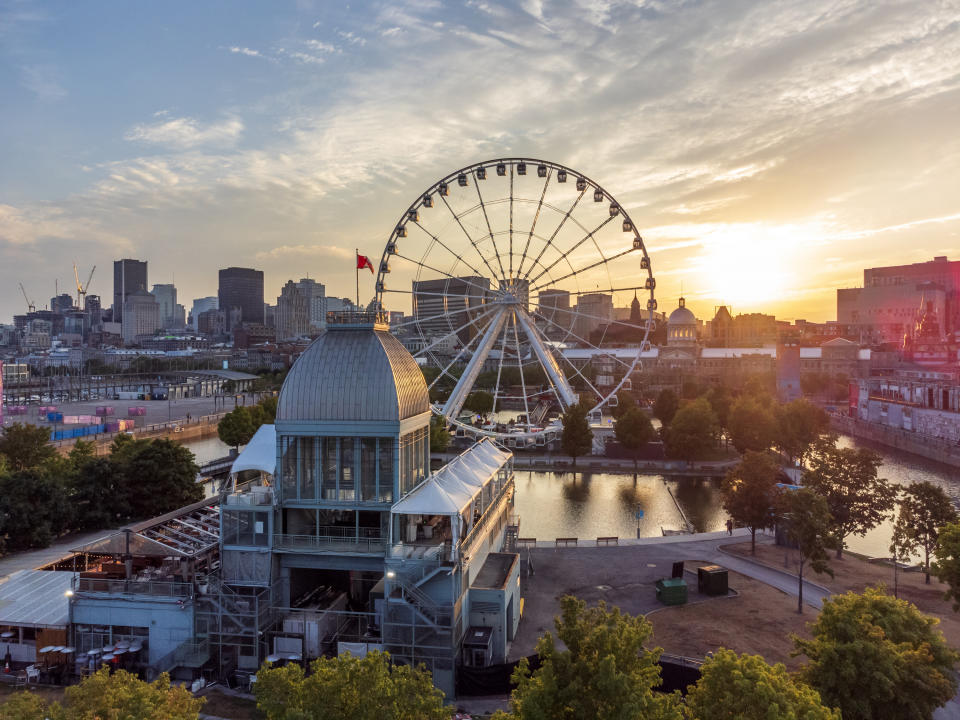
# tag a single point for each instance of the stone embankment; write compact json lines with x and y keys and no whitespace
{"x":923,"y":445}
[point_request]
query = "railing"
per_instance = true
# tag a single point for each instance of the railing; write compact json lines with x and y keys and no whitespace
{"x":324,"y":543}
{"x":156,"y":588}
{"x":479,"y":530}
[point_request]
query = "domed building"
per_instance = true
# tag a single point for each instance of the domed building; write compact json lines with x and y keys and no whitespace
{"x":682,"y":327}
{"x":360,"y":545}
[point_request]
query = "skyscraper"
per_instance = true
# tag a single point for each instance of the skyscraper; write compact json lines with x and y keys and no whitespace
{"x":128,"y":277}
{"x":316,"y":307}
{"x":141,"y":316}
{"x":241,"y":288}
{"x":166,"y":295}
{"x":442,"y":307}
{"x":201,"y":305}
{"x":293,"y":314}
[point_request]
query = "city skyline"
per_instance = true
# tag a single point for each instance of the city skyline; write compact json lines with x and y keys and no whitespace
{"x":767,"y":154}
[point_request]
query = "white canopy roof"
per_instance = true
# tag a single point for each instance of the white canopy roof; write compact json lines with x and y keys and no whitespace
{"x":454,"y":486}
{"x":260,"y":453}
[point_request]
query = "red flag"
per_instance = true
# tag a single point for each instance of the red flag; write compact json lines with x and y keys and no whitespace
{"x":364,"y":262}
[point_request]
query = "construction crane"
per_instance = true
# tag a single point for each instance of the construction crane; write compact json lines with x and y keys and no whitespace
{"x":31,"y":307}
{"x":82,"y":289}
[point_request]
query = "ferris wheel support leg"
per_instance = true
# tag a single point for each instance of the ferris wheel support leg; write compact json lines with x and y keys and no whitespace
{"x":459,"y":393}
{"x":547,"y":361}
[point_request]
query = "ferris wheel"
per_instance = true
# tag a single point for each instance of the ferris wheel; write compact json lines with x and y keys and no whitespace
{"x":513,"y":272}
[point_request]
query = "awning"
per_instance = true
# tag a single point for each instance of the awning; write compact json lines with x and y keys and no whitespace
{"x":453,"y":487}
{"x":36,"y":598}
{"x":260,"y":453}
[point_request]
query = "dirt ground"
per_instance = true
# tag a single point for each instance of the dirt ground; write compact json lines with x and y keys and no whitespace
{"x":852,"y":573}
{"x":759,"y":621}
{"x":220,"y":704}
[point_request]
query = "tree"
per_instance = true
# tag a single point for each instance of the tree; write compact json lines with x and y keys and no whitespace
{"x":807,"y":519}
{"x":34,"y":509}
{"x":625,"y":402}
{"x":947,"y":566}
{"x":100,"y":495}
{"x":160,"y":476}
{"x":750,"y":493}
{"x":26,"y":446}
{"x":720,"y":400}
{"x":24,"y":706}
{"x":924,"y":509}
{"x":752,"y":425}
{"x":847,"y":479}
{"x":606,"y":672}
{"x":800,"y":424}
{"x":746,"y":687}
{"x":236,"y":427}
{"x":479,"y":401}
{"x":367,"y":688}
{"x":693,"y":432}
{"x":665,"y":406}
{"x":123,"y":695}
{"x":874,"y":656}
{"x":577,"y":437}
{"x":439,"y":435}
{"x":634,"y":430}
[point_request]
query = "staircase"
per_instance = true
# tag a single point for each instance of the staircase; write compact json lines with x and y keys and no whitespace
{"x":510,"y":534}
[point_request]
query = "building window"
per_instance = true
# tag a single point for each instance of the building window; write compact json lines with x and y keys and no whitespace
{"x":242,"y":527}
{"x":308,"y":468}
{"x":288,"y":468}
{"x":385,"y":478}
{"x":368,"y":469}
{"x":329,"y":468}
{"x":347,"y":469}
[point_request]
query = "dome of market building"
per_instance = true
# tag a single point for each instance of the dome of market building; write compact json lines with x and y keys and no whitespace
{"x":681,"y":325}
{"x":354,"y":373}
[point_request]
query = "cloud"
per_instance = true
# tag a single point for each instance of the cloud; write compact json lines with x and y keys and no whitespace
{"x":284,"y":251}
{"x":246,"y":51}
{"x":42,"y":81}
{"x":186,"y":132}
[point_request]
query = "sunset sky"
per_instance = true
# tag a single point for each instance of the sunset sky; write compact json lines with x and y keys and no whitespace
{"x":768,"y":151}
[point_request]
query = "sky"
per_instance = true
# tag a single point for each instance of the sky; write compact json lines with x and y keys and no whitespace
{"x":767,"y":151}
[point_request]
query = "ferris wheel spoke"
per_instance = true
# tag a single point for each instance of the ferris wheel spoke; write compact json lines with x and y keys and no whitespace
{"x":445,"y":247}
{"x":467,"y":324}
{"x":558,"y":311}
{"x":493,"y":273}
{"x":496,"y":389}
{"x":583,"y":270}
{"x":469,"y":376}
{"x":553,"y":236}
{"x":486,"y":218}
{"x":578,"y":373}
{"x":442,"y":272}
{"x":456,"y":358}
{"x":567,"y":253}
{"x":511,"y":227}
{"x":547,"y":361}
{"x":533,"y":226}
{"x":585,"y":342}
{"x":417,"y":321}
{"x":523,"y":382}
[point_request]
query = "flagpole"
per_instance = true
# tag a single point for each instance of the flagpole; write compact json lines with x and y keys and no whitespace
{"x":357,"y":270}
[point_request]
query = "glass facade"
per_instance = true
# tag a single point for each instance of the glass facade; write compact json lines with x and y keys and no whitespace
{"x":414,"y":459}
{"x":245,"y":527}
{"x":344,"y":469}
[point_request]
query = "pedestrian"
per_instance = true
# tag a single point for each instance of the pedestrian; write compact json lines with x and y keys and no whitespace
{"x":729,"y":526}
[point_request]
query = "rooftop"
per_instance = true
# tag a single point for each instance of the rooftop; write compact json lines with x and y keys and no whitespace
{"x":495,"y":571}
{"x":35,"y":598}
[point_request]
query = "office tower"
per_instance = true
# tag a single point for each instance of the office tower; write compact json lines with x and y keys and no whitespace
{"x":128,"y":277}
{"x":442,"y":307}
{"x":241,"y":288}
{"x":292,"y":316}
{"x":166,"y":295}
{"x":201,"y":305}
{"x":314,"y":292}
{"x":141,"y":316}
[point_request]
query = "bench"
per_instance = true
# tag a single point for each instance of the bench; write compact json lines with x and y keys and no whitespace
{"x":566,"y":542}
{"x":612,"y":540}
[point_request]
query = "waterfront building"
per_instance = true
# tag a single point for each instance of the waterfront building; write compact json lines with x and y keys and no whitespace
{"x":332,"y":536}
{"x":129,"y":276}
{"x":241,"y":290}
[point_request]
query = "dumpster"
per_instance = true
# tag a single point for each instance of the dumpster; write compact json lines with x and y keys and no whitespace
{"x":712,"y":580}
{"x":672,"y":591}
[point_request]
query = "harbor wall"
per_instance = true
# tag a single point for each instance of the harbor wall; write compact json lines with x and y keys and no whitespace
{"x":925,"y":446}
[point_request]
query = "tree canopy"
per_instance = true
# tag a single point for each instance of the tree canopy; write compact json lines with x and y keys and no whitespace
{"x":479,"y":401}
{"x":874,"y":656}
{"x":666,"y":406}
{"x":367,"y":688}
{"x":439,"y":435}
{"x":236,"y":427}
{"x":606,"y":672}
{"x":577,"y":437}
{"x":947,"y":566}
{"x":634,"y":430}
{"x":800,"y":424}
{"x":692,"y":434}
{"x":924,"y":509}
{"x":747,"y":688}
{"x":750,"y":492}
{"x":752,"y":425}
{"x":105,"y":696}
{"x":847,"y":479}
{"x":625,"y":402}
{"x":26,"y":446}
